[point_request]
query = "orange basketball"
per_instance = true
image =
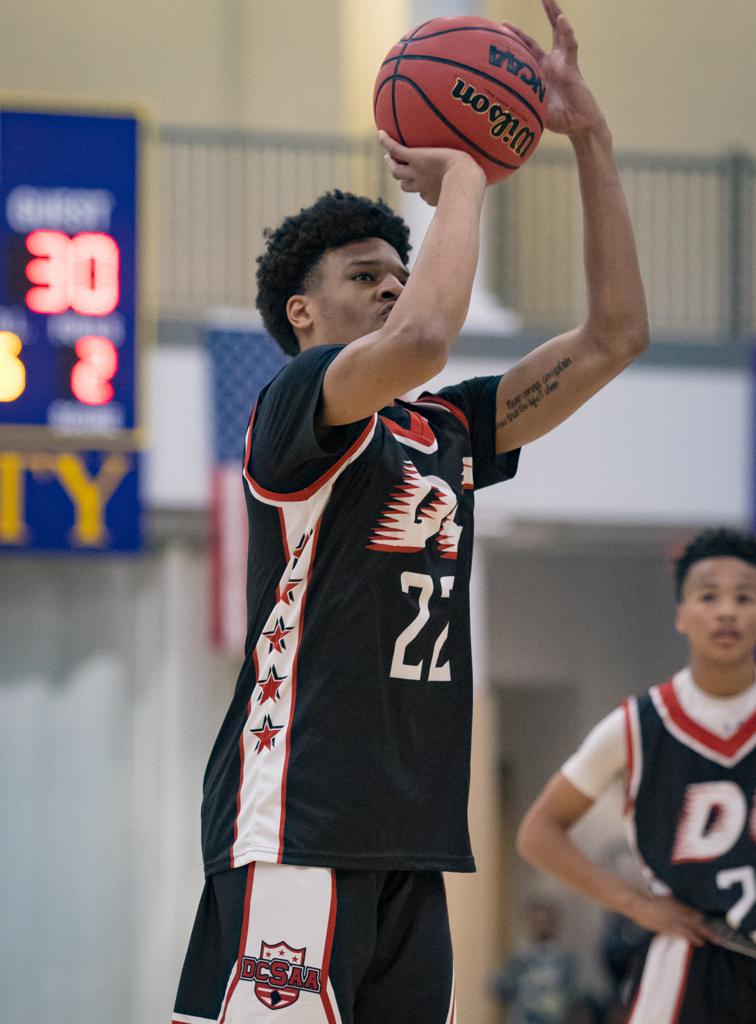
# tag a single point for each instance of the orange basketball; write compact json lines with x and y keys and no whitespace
{"x":464,"y":83}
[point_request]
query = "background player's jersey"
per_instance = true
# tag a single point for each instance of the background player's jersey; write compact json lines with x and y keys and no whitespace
{"x":347,"y":743}
{"x":691,"y":806}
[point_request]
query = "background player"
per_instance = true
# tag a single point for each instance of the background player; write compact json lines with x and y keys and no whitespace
{"x":687,"y":752}
{"x":336,"y":792}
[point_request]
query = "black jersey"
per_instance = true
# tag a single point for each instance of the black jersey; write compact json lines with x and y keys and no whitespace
{"x":691,"y":806}
{"x":347,"y":743}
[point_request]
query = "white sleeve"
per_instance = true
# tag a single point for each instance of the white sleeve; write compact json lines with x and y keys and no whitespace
{"x":601,"y":757}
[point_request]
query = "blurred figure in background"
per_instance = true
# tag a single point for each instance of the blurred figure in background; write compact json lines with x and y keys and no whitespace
{"x":687,"y":752}
{"x":538,"y":984}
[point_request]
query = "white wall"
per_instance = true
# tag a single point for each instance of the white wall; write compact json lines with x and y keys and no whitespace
{"x":109,"y":702}
{"x":657,"y":445}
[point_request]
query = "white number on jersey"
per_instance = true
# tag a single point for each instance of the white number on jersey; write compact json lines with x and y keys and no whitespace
{"x":400,"y":668}
{"x":746,"y":878}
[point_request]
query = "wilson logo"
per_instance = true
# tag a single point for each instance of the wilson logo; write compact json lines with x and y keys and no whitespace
{"x":504,"y":125}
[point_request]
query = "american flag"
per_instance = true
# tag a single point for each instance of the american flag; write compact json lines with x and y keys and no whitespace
{"x":243,"y":360}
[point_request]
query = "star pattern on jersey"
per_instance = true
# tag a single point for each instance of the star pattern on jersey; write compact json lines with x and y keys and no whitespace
{"x":269,"y":686}
{"x":266,"y":735}
{"x":276,"y":637}
{"x":287,"y":590}
{"x":304,"y":540}
{"x":282,"y":952}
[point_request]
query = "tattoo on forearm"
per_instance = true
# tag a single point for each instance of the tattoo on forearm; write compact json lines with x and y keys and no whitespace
{"x":532,"y":396}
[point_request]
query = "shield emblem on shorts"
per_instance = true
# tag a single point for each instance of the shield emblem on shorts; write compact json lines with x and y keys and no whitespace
{"x":272,"y":993}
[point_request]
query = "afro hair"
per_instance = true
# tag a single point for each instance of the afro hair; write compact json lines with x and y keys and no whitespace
{"x":721,"y":543}
{"x":296,"y":246}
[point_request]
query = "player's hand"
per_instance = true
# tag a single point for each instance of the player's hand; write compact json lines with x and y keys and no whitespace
{"x":572,"y":108}
{"x":667,"y":916}
{"x":423,"y":170}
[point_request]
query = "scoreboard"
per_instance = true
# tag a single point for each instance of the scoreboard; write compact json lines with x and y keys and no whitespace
{"x":68,"y":319}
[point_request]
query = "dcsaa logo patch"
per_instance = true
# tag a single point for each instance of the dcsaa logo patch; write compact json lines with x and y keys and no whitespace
{"x":279,"y":974}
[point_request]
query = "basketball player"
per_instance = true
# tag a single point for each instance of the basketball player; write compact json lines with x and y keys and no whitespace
{"x":687,"y":753}
{"x":336,"y":792}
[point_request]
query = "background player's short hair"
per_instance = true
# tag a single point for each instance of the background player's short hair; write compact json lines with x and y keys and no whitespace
{"x":294,"y":249}
{"x":719,"y":543}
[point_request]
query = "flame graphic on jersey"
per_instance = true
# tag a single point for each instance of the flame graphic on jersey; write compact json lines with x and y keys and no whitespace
{"x":406,"y":527}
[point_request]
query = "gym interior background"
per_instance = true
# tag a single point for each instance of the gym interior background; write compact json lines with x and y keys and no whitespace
{"x":110,"y":690}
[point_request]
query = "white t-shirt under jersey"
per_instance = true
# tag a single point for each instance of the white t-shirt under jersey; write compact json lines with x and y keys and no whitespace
{"x":601,"y":757}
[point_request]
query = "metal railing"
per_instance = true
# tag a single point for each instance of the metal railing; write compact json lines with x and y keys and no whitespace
{"x":219,"y":191}
{"x":694,"y":217}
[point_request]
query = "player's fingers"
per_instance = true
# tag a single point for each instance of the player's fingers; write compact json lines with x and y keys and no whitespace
{"x":553,"y":10}
{"x":566,"y":37}
{"x":393,"y":149}
{"x":694,"y":928}
{"x":708,"y":934}
{"x":525,"y":38}
{"x":399,"y":171}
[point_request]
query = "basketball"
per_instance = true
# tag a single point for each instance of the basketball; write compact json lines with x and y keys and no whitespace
{"x":464,"y":83}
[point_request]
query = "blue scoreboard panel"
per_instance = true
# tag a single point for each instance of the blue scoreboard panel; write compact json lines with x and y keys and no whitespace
{"x":68,"y":354}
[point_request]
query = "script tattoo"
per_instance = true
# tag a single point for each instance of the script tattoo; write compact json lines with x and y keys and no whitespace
{"x":532,"y":396}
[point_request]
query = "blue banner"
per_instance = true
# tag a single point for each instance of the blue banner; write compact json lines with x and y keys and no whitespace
{"x":69,"y":500}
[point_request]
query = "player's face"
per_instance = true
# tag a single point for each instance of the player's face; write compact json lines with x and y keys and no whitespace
{"x":718,"y":611}
{"x":355,"y":289}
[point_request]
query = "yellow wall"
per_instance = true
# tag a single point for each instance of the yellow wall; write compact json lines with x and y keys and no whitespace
{"x":674,"y":75}
{"x":167,"y":55}
{"x":368,"y":31}
{"x":290,"y":60}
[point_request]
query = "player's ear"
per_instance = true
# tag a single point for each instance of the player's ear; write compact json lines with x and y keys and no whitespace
{"x":299,"y":311}
{"x":681,"y":624}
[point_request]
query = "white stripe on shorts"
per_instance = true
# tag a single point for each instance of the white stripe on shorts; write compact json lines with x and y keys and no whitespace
{"x":451,"y":1017}
{"x":289,"y":922}
{"x":662,"y":986}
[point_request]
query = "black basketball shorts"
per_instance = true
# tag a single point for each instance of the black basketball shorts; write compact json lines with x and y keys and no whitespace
{"x":682,"y":984}
{"x":302,"y":945}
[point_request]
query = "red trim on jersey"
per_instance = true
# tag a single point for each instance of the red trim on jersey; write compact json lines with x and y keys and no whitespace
{"x":725,"y":747}
{"x":287,"y":553}
{"x":306,"y":492}
{"x":248,"y":439}
{"x":683,"y":986}
{"x":419,"y":431}
{"x":629,"y":754}
{"x":294,"y":664}
{"x":325,"y":998}
{"x":241,"y":760}
{"x":242,"y":938}
{"x":453,"y":409}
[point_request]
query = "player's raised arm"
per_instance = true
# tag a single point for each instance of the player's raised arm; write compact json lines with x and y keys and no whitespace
{"x":417,"y":318}
{"x":554,"y":380}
